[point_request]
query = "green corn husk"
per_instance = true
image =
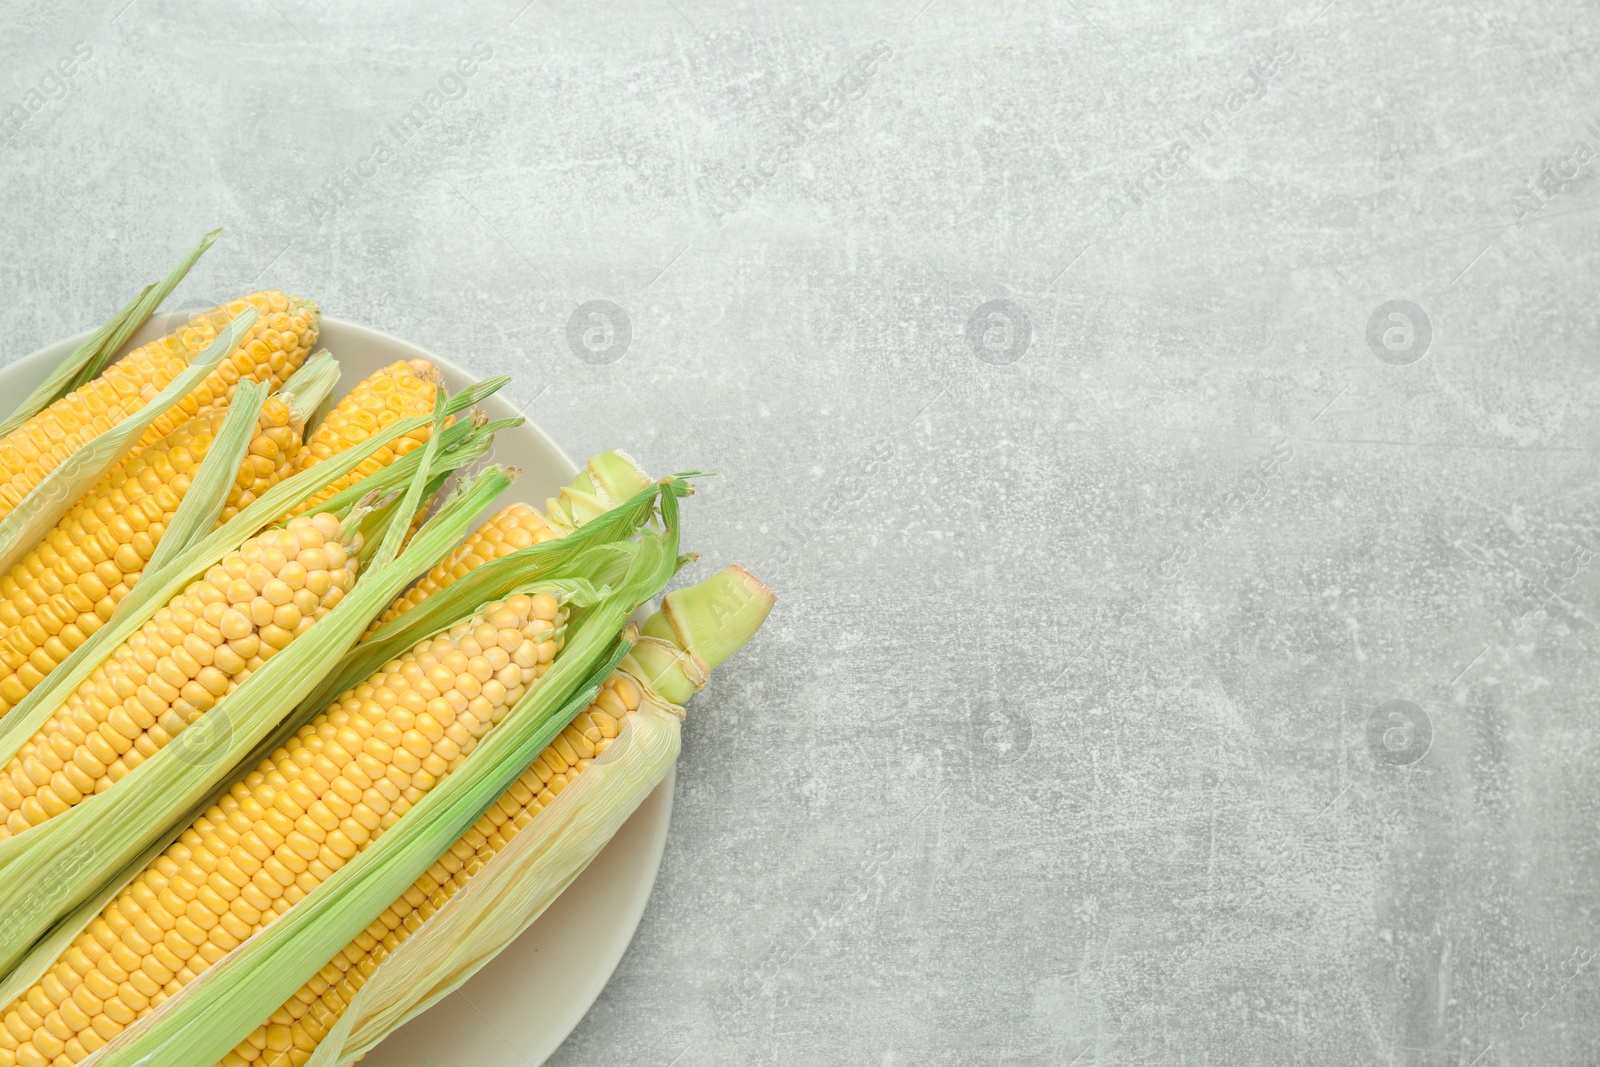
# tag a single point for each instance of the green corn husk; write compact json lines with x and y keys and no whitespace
{"x":52,"y":868}
{"x":44,"y":952}
{"x":200,"y":1025}
{"x":594,"y":522}
{"x":42,"y":508}
{"x":473,"y":431}
{"x":525,"y":565}
{"x":606,"y":481}
{"x":62,"y":380}
{"x":309,"y":386}
{"x":701,"y":625}
{"x":141,"y":315}
{"x":461,"y":446}
{"x":207,"y":494}
{"x":87,"y":360}
{"x":47,"y":870}
{"x":202,"y":504}
{"x":47,"y":950}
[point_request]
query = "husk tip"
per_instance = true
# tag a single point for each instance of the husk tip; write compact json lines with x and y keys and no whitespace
{"x":618,"y":474}
{"x":714,"y":618}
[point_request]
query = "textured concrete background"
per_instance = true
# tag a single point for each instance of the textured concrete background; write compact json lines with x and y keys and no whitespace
{"x":1187,"y":660}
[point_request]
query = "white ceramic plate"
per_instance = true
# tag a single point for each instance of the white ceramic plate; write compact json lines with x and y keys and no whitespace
{"x":533,"y":995}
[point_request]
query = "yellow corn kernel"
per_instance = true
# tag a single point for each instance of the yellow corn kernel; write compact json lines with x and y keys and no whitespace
{"x":510,"y":528}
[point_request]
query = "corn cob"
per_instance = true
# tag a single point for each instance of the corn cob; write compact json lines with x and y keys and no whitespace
{"x":191,"y":653}
{"x":293,"y":1031}
{"x":672,"y":660}
{"x":341,"y":781}
{"x":278,"y":343}
{"x":66,"y":588}
{"x":607,"y":480}
{"x":398,"y":391}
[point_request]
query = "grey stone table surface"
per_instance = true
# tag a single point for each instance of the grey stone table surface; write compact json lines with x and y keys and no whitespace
{"x":1170,"y":430}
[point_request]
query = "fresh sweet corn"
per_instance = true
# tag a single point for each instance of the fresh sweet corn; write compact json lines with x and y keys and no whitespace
{"x":190,"y":654}
{"x":67,"y":587}
{"x":283,"y":829}
{"x":398,"y":391}
{"x":289,"y":1037}
{"x":280,"y":340}
{"x":695,"y":631}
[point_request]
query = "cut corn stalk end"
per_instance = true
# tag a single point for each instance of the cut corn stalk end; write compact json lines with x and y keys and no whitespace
{"x":697,"y":629}
{"x":608,"y":479}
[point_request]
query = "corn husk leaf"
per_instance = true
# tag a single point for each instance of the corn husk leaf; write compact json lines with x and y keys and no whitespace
{"x":512,"y":890}
{"x":198,"y":1026}
{"x":607,"y":480}
{"x":309,"y":386}
{"x":202,"y":503}
{"x":152,"y":300}
{"x":49,"y":869}
{"x":400,"y":471}
{"x":39,"y":511}
{"x":48,"y":949}
{"x":695,"y":630}
{"x":87,"y":360}
{"x":45,"y":952}
{"x":59,"y":382}
{"x":462,"y":445}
